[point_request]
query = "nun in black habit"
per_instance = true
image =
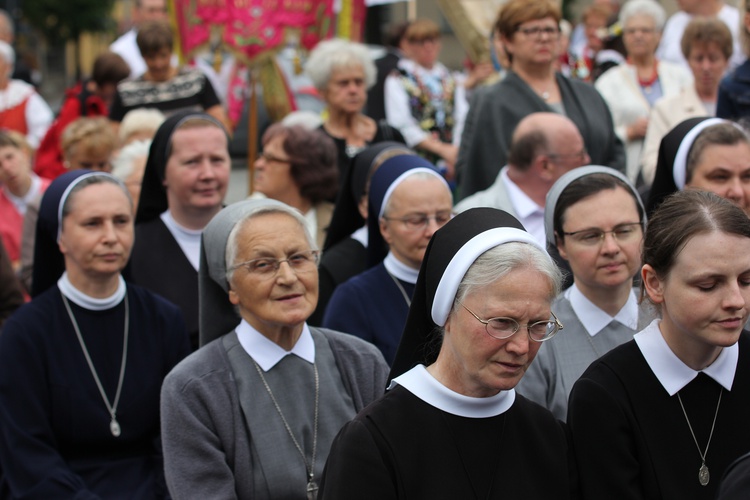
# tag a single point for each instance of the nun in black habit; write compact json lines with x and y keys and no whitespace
{"x":345,"y":249}
{"x":682,"y":163}
{"x":82,"y":364}
{"x":166,"y":253}
{"x":451,"y":425}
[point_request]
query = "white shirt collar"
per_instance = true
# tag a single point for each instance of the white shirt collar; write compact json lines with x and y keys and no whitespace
{"x":21,"y":202}
{"x":529,"y":213}
{"x":361,"y":235}
{"x":88,"y":302}
{"x":399,"y":269}
{"x":419,"y":382}
{"x":672,"y":373}
{"x":189,"y":240}
{"x":268,"y":353}
{"x":594,"y":319}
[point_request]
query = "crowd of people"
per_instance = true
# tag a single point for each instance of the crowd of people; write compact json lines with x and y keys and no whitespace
{"x":526,"y":279}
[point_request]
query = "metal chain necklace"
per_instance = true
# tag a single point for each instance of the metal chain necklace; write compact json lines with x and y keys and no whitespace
{"x":312,"y":486}
{"x":703,"y":475}
{"x":114,"y":425}
{"x":401,"y":289}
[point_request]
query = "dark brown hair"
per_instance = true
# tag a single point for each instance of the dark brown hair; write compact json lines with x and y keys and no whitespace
{"x":313,"y":160}
{"x":683,"y":215}
{"x":109,"y":68}
{"x":154,"y":36}
{"x":524,"y":149}
{"x":422,"y":29}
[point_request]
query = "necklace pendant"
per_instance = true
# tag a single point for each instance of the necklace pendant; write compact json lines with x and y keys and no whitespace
{"x":312,"y":490}
{"x":703,"y":475}
{"x":545,"y":95}
{"x":114,"y":427}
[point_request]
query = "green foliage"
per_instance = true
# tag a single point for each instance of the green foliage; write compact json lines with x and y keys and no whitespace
{"x":61,"y":20}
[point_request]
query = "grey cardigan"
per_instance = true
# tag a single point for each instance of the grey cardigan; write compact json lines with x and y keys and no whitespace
{"x":207,"y":449}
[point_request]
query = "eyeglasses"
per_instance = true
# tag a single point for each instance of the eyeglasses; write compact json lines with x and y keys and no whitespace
{"x":538,"y":31}
{"x":302,"y":262}
{"x":272,"y":158}
{"x":416,"y":222}
{"x":580,"y":156}
{"x":504,"y":328}
{"x":595,"y":236}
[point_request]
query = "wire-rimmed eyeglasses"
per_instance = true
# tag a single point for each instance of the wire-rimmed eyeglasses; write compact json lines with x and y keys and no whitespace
{"x":300,"y":262}
{"x":503,"y":328}
{"x":416,"y":222}
{"x":595,"y":236}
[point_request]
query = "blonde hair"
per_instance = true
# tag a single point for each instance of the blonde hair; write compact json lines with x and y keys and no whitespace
{"x":91,"y":134}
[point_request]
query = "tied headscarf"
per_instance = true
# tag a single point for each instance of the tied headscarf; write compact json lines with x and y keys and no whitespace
{"x":153,"y":200}
{"x":382,"y":184}
{"x":451,"y":251}
{"x":671,"y":164}
{"x":217,"y":316}
{"x":49,"y":263}
{"x":557,"y":189}
{"x":346,"y":217}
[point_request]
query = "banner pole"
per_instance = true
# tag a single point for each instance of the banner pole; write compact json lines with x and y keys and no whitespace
{"x":252,"y":132}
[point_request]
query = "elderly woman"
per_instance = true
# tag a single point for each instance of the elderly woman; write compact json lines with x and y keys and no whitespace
{"x":710,"y":154}
{"x":82,"y":364}
{"x":594,"y":218}
{"x":707,"y":46}
{"x":139,"y":125}
{"x":530,"y":33}
{"x":19,"y":187}
{"x":252,"y":414}
{"x":423,"y":100}
{"x":345,"y":249}
{"x":342,"y":71}
{"x":298,"y":168}
{"x":451,"y":425}
{"x":408,"y":201}
{"x":163,"y":86}
{"x":663,"y":416}
{"x":129,"y":166}
{"x":21,"y":108}
{"x":632,"y":88}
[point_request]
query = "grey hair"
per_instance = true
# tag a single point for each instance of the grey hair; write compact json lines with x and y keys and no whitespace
{"x":91,"y":180}
{"x":337,"y":53}
{"x":648,"y":8}
{"x":231,"y":251}
{"x":140,"y":120}
{"x":123,"y":164}
{"x":307,"y":119}
{"x":413,"y":175}
{"x":9,"y":55}
{"x":499,"y":261}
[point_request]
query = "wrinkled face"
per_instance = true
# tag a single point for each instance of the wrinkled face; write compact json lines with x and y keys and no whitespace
{"x":425,"y":52}
{"x":159,"y":64}
{"x":568,"y":151}
{"x":482,"y":365}
{"x":708,"y":64}
{"x":346,"y":90}
{"x":706,"y":295}
{"x":725,"y":170}
{"x":609,"y":263}
{"x":640,"y":36}
{"x":273,"y":175}
{"x":535,"y":42}
{"x":15,"y":167}
{"x":412,"y":199}
{"x":151,"y":10}
{"x":286,"y":299}
{"x":197,"y":171}
{"x":97,"y":234}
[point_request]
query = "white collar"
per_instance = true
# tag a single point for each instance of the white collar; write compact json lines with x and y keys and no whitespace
{"x":419,"y":382}
{"x":189,"y":240}
{"x":672,"y":373}
{"x":523,"y":205}
{"x":361,"y":235}
{"x":400,"y":270}
{"x":86,"y":301}
{"x":594,"y":319}
{"x":21,"y":202}
{"x":268,"y":353}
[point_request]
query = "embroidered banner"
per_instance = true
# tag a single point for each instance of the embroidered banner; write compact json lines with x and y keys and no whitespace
{"x":250,"y":28}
